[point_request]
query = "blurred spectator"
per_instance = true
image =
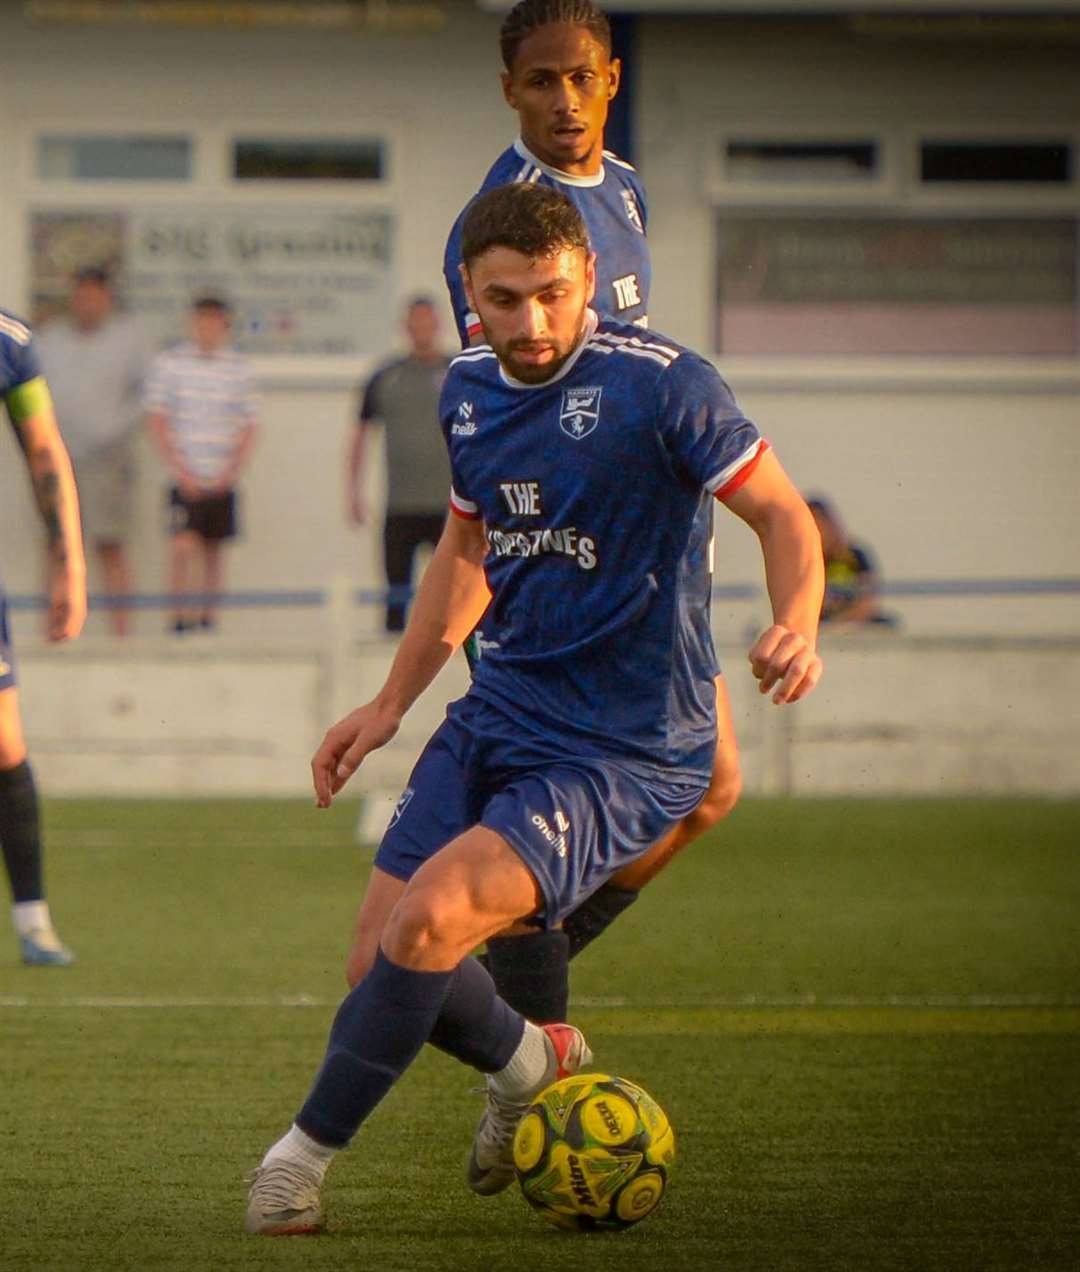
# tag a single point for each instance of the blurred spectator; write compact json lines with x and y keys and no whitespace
{"x":403,"y":396}
{"x":95,"y":361}
{"x":201,"y":412}
{"x":851,"y":579}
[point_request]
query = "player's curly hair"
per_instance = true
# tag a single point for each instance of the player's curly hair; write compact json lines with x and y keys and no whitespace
{"x":534,"y":220}
{"x":528,"y":16}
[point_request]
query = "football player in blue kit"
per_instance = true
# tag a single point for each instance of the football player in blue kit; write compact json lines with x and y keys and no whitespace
{"x":560,"y":77}
{"x":26,"y":396}
{"x":585,"y":455}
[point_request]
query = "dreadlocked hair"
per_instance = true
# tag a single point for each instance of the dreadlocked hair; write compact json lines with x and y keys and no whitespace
{"x":528,"y":16}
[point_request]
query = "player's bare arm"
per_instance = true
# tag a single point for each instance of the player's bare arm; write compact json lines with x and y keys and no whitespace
{"x":449,"y":603}
{"x":355,"y":501}
{"x":784,"y":658}
{"x":58,"y":504}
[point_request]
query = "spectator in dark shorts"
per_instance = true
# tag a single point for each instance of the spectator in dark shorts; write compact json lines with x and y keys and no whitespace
{"x":403,"y":396}
{"x":95,"y":360}
{"x":201,"y":412}
{"x":851,"y":577}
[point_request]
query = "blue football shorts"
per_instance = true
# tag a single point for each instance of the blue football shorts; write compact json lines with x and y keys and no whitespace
{"x":7,"y":654}
{"x":574,"y":821}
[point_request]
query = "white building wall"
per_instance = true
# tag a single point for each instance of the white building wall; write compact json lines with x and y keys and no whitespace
{"x":946,"y":469}
{"x":949,"y":468}
{"x":437,"y":96}
{"x":892,"y":716}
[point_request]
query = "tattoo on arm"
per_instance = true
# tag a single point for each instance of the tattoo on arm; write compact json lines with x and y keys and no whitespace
{"x":48,"y":493}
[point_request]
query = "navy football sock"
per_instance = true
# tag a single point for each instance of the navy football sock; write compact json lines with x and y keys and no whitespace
{"x":583,"y":925}
{"x":531,"y":973}
{"x":377,"y":1033}
{"x":380,"y":1028}
{"x":20,"y":833}
{"x":474,"y":1025}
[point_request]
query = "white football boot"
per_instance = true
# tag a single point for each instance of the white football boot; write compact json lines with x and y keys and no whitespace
{"x":284,"y":1200}
{"x":490,"y":1167}
{"x":41,"y":947}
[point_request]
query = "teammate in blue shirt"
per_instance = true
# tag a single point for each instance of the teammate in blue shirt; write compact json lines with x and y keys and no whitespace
{"x":560,"y":78}
{"x":26,"y":397}
{"x":586,"y":456}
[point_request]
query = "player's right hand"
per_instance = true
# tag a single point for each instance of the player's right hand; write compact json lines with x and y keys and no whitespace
{"x":345,"y":745}
{"x":782,"y":659}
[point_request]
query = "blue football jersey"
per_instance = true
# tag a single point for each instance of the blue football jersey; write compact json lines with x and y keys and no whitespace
{"x":18,"y":366}
{"x":612,"y":204}
{"x":596,"y":492}
{"x":18,"y":359}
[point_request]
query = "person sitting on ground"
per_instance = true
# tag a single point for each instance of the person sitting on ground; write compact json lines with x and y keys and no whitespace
{"x":851,"y":578}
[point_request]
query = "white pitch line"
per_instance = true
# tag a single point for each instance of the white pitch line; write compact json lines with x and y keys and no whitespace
{"x":721,"y":1003}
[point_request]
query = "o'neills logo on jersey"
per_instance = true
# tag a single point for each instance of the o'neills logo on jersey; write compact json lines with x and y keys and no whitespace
{"x":464,"y":425}
{"x":580,"y":412}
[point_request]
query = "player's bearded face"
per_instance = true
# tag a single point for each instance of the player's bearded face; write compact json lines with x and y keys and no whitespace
{"x":532,"y":309}
{"x":560,"y":85}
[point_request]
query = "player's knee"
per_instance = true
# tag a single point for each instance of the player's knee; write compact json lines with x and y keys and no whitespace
{"x":421,"y":928}
{"x":721,"y":797}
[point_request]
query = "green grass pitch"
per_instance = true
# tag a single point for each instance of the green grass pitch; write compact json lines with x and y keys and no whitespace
{"x":863,"y":1019}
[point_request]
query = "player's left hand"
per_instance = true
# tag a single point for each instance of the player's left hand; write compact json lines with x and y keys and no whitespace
{"x":785,"y":659}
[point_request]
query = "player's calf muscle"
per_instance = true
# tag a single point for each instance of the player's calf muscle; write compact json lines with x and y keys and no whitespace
{"x":12,"y":743}
{"x":361,"y":957}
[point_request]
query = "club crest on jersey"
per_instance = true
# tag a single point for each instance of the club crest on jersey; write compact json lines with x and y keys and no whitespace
{"x":580,"y":412}
{"x":633,"y":212}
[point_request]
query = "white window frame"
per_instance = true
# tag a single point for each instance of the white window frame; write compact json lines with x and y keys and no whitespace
{"x":1019,"y":198}
{"x":899,"y":192}
{"x":882,"y":187}
{"x":211,"y":181}
{"x":79,"y":130}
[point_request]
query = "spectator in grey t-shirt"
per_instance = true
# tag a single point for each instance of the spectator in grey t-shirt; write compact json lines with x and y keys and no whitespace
{"x":95,"y":361}
{"x":403,"y":396}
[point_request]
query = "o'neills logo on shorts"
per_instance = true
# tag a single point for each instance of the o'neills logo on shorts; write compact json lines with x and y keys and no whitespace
{"x":557,"y":839}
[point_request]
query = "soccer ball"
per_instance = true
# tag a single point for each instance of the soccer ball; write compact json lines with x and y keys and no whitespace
{"x":593,"y":1152}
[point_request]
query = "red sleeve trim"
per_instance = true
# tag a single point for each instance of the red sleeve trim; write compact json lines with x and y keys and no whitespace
{"x":744,"y":473}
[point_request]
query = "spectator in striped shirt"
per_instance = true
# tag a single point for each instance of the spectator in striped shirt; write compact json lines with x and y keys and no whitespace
{"x":201,"y":411}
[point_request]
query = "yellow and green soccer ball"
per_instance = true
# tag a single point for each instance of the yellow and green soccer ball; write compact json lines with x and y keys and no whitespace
{"x":593,"y":1152}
